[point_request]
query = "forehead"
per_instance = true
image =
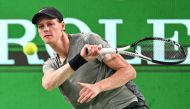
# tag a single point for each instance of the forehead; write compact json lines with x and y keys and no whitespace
{"x":44,"y":18}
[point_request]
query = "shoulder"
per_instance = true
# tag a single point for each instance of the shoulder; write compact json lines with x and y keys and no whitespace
{"x":90,"y":35}
{"x":92,"y":38}
{"x":85,"y":35}
{"x":51,"y":63}
{"x":50,"y":60}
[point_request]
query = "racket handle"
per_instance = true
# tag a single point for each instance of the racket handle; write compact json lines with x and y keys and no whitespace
{"x":106,"y":51}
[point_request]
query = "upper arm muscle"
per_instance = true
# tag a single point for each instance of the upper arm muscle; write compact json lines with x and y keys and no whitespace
{"x":114,"y":61}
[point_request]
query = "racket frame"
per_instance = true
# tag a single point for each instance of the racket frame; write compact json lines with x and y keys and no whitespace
{"x":123,"y":51}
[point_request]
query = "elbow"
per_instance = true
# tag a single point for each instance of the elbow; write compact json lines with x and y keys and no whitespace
{"x":133,"y":73}
{"x":47,"y":85}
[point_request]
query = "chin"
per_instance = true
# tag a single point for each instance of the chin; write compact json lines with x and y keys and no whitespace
{"x":47,"y":42}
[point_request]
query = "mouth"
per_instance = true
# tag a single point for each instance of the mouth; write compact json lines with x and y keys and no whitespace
{"x":45,"y":36}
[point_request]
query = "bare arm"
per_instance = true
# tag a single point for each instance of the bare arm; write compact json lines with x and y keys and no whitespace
{"x":54,"y":78}
{"x":124,"y":73}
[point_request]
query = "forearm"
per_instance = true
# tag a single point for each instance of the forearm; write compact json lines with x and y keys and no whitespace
{"x":119,"y":78}
{"x":57,"y":77}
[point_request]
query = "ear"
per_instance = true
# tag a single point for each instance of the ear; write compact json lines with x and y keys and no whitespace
{"x":63,"y":26}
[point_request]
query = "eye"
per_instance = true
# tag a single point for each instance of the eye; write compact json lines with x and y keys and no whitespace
{"x":50,"y":24}
{"x":40,"y":26}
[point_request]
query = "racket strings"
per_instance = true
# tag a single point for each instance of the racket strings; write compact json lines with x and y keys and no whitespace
{"x":173,"y":51}
{"x":161,"y":50}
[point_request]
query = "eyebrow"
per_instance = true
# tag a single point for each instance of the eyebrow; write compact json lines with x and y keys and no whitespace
{"x":50,"y":20}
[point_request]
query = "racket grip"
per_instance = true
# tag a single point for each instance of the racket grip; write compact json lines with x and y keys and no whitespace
{"x":108,"y":51}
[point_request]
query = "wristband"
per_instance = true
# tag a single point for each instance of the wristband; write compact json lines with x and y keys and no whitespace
{"x":76,"y":62}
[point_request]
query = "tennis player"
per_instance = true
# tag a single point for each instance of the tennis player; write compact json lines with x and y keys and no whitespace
{"x":87,"y":80}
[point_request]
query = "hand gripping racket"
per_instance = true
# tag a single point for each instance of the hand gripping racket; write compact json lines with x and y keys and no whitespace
{"x":154,"y":49}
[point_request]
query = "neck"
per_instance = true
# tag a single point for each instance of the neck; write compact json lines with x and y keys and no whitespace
{"x":62,"y":46}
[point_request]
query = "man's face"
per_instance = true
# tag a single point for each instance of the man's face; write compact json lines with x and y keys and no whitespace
{"x":50,"y":30}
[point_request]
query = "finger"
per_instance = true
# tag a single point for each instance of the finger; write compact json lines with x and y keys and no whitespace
{"x":83,"y":87}
{"x":82,"y":91}
{"x":86,"y":97}
{"x":95,"y":50}
{"x":81,"y":84}
{"x":86,"y":49}
{"x":82,"y":95}
{"x":90,"y":98}
{"x":92,"y":50}
{"x":89,"y":50}
{"x":99,"y":47}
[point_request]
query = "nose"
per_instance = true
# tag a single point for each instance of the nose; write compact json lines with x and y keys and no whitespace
{"x":46,"y":28}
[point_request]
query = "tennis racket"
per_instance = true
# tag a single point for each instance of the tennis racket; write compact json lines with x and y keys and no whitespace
{"x":154,"y":49}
